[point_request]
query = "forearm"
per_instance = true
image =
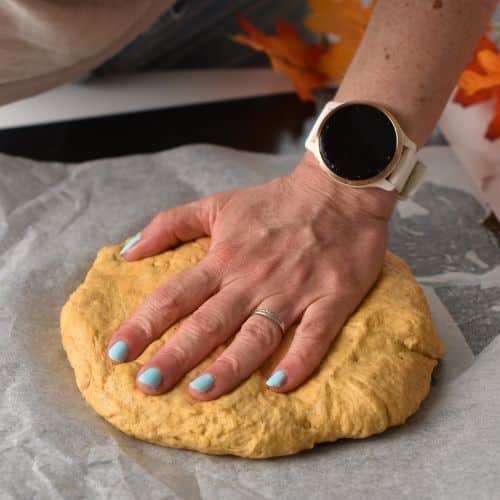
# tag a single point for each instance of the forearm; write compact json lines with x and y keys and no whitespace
{"x":412,"y":55}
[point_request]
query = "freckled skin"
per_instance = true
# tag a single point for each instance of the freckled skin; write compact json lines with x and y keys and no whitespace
{"x":428,"y":43}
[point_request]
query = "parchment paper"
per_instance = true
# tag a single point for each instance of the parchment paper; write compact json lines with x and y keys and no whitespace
{"x":53,"y":219}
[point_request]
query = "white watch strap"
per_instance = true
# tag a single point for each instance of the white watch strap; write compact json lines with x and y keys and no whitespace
{"x":405,"y":179}
{"x":414,"y":181}
{"x":409,"y":173}
{"x":312,"y":138}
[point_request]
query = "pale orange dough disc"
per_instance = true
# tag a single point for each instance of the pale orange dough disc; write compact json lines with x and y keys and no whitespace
{"x":375,"y":375}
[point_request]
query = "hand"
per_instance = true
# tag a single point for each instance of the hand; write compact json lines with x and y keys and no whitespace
{"x":302,"y":246}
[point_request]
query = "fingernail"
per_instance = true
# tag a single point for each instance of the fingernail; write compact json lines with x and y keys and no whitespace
{"x":203,"y":383}
{"x":151,"y":377}
{"x":130,"y":243}
{"x":276,"y":379}
{"x":118,"y":351}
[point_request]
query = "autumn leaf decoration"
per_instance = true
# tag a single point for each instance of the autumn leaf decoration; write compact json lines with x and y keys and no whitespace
{"x":481,"y":82}
{"x":289,"y":55}
{"x":311,"y":66}
{"x":343,"y":22}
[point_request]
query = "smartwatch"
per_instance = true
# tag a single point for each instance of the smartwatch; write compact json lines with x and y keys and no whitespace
{"x":362,"y":145}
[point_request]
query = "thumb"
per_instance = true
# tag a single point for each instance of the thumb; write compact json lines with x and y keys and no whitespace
{"x":171,"y":227}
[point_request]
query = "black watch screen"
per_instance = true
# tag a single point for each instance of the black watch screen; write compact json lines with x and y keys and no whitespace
{"x":357,"y":141}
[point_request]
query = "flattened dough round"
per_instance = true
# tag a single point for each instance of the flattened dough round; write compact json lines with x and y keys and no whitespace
{"x":375,"y":375}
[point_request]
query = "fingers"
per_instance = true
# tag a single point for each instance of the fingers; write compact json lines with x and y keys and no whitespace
{"x":210,"y":325}
{"x":320,"y":324}
{"x":178,"y":297}
{"x":257,"y":339}
{"x":168,"y":229}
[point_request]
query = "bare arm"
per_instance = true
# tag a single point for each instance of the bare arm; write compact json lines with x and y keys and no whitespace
{"x":412,"y":55}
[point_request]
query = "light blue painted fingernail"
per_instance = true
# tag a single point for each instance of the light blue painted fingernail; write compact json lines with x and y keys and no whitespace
{"x":130,"y":243}
{"x":276,"y":379}
{"x":203,"y":383}
{"x":118,"y":351}
{"x":151,"y":377}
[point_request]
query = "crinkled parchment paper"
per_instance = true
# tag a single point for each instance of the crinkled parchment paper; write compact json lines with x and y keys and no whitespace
{"x":53,"y":219}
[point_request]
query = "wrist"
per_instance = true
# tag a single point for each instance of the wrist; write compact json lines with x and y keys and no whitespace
{"x":371,"y":201}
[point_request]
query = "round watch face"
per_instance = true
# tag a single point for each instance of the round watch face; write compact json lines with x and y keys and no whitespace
{"x":357,"y":142}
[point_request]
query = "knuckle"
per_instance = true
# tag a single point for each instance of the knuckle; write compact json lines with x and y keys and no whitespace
{"x":142,"y":326}
{"x":339,"y":279}
{"x":300,"y":275}
{"x":201,"y":207}
{"x":230,"y":364}
{"x":263,"y":269}
{"x":178,"y":354}
{"x":356,"y":285}
{"x":194,"y":336}
{"x":168,"y":297}
{"x":311,"y":336}
{"x":263,"y":232}
{"x":177,"y":214}
{"x":206,"y":324}
{"x":352,"y":284}
{"x":206,"y":274}
{"x":161,"y":218}
{"x":265,"y":338}
{"x":225,"y":251}
{"x":345,"y":281}
{"x":311,"y":345}
{"x":304,"y":355}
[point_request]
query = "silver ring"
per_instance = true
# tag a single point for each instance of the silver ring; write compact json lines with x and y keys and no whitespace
{"x":260,"y":311}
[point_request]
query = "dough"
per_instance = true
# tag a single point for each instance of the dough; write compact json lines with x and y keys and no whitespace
{"x":375,"y":375}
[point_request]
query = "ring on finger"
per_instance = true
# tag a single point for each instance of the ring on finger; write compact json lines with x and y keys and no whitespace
{"x":271,"y":315}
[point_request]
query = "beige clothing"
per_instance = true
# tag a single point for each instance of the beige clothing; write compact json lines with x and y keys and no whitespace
{"x":44,"y":43}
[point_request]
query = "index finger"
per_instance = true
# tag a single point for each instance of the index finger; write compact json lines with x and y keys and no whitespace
{"x":178,"y":297}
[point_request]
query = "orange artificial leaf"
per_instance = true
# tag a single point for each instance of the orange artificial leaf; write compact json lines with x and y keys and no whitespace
{"x":461,"y":97}
{"x":485,"y":43}
{"x":489,"y":60}
{"x":289,"y":55}
{"x":347,"y":21}
{"x":472,"y":83}
{"x":481,"y":82}
{"x":465,"y":100}
{"x":493,"y":131}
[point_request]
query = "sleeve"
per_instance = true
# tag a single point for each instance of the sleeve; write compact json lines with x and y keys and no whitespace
{"x":44,"y":43}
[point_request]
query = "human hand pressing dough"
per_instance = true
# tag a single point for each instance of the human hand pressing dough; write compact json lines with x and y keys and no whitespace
{"x":303,"y":246}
